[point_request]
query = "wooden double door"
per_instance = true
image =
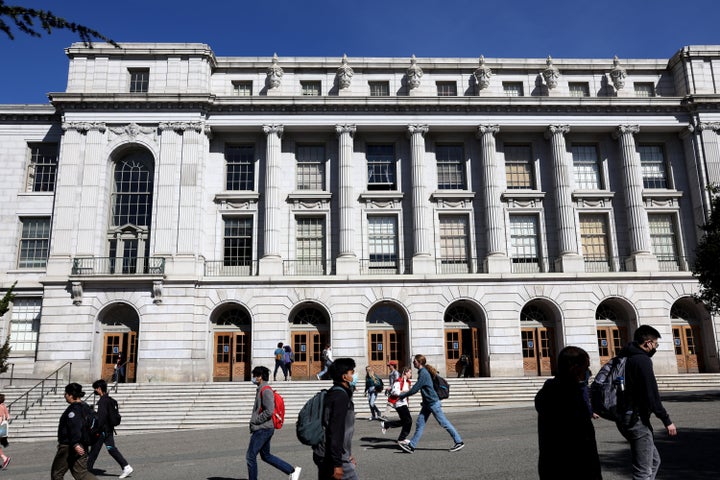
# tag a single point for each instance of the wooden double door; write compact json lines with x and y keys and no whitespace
{"x":114,"y":344}
{"x":610,"y":341}
{"x":538,"y":350}
{"x":307,"y":348}
{"x":231,"y":360}
{"x":458,"y":342}
{"x":686,"y":341}
{"x":383,"y":346}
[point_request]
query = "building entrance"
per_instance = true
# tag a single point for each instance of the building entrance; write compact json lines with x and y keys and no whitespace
{"x":232,"y":357}
{"x":118,"y":344}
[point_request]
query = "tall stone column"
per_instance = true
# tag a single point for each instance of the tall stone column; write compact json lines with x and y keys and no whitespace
{"x":91,"y":213}
{"x":271,"y":262}
{"x":497,"y":260}
{"x":347,"y":262}
{"x":642,"y":259}
{"x":570,"y":259}
{"x":697,"y":176}
{"x":422,"y":260}
{"x":709,"y":135}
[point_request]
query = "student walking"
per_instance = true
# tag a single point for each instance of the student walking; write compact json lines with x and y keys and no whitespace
{"x":326,"y":358}
{"x":288,"y":359}
{"x":430,"y":405}
{"x":641,"y":400}
{"x":393,"y":377}
{"x":71,"y":451}
{"x":373,"y":386}
{"x":105,"y":406}
{"x":279,"y":361}
{"x":402,"y":407}
{"x":262,"y":429}
{"x":4,"y":419}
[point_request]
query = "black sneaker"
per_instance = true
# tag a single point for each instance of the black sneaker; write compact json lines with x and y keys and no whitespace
{"x":407,"y":447}
{"x":457,"y":447}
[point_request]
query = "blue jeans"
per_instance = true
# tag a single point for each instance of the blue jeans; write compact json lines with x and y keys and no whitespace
{"x":645,"y":457}
{"x":372,"y":396}
{"x":260,"y":442}
{"x":436,"y":410}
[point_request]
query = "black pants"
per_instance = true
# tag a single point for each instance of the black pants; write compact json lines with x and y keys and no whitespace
{"x":109,"y":440}
{"x":405,"y":422}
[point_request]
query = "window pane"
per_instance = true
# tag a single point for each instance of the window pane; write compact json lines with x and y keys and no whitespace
{"x":310,"y":88}
{"x":237,"y":250}
{"x":446,"y":89}
{"x":524,"y":244}
{"x":664,"y":241}
{"x":652,"y":162}
{"x":25,"y":324}
{"x":513,"y":89}
{"x":242,"y":88}
{"x":381,"y":167}
{"x":379,"y":89}
{"x":34,"y":242}
{"x":450,"y":167}
{"x":133,"y":193}
{"x":311,"y":167}
{"x":310,"y":245}
{"x":579,"y":89}
{"x":644,"y":89}
{"x":382,"y":242}
{"x":586,"y":167}
{"x":43,"y":167}
{"x":240,"y":164}
{"x":454,"y":243}
{"x":593,"y":237}
{"x":139,"y":80}
{"x":518,"y":167}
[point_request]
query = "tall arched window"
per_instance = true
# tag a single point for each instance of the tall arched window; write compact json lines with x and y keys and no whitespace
{"x":129,"y":229}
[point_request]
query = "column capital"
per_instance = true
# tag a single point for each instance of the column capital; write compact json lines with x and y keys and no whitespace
{"x":556,"y":129}
{"x":276,"y":129}
{"x":340,"y":129}
{"x":182,"y":127}
{"x":84,"y":126}
{"x":714,"y":126}
{"x":621,"y":130}
{"x":421,"y":129}
{"x":491,"y":129}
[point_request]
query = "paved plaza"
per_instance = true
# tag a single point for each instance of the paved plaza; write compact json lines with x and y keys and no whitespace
{"x":500,"y":443}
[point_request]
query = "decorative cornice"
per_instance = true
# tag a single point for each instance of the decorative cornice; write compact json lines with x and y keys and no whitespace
{"x":84,"y":126}
{"x":551,"y":74}
{"x":414,"y":74}
{"x":344,"y":73}
{"x":488,"y":129}
{"x":625,"y":130}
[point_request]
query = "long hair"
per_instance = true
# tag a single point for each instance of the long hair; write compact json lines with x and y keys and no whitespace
{"x":423,"y":361}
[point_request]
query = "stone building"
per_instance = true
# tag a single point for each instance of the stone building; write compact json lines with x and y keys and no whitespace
{"x":191,"y":211}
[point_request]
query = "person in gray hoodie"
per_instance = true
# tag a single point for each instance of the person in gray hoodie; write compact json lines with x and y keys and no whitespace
{"x":262,"y":429}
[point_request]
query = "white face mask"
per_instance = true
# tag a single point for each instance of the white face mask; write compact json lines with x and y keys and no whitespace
{"x":354,"y":381}
{"x":254,"y":381}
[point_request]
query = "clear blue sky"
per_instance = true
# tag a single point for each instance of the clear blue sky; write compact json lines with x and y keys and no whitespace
{"x":31,"y":67}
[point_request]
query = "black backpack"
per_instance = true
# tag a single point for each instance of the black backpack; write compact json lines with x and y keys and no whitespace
{"x":91,"y":429}
{"x":310,"y":425}
{"x":441,"y":386}
{"x":607,"y":392}
{"x":114,"y":417}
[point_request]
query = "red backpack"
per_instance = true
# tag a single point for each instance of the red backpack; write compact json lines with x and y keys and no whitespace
{"x":278,"y":416}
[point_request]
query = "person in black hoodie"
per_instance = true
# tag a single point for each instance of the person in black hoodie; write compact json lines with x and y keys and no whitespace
{"x":71,"y":452}
{"x":104,"y":405}
{"x":566,"y":435}
{"x":641,"y":399}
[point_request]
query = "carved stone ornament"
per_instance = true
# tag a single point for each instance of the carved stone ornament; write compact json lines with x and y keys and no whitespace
{"x":157,"y":291}
{"x":84,"y":126}
{"x":414,"y":74}
{"x":618,"y":74}
{"x":132,"y":130}
{"x":712,"y":126}
{"x":77,"y":293}
{"x":182,"y":126}
{"x":551,"y":74}
{"x":274,"y":73}
{"x":482,"y":75}
{"x":344,"y":73}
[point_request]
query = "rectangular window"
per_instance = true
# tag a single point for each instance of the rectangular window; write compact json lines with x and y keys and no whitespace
{"x":242,"y":88}
{"x":594,"y":240}
{"x":519,"y":167}
{"x":237,"y":249}
{"x":240,"y":166}
{"x":25,"y":324}
{"x":586,"y":167}
{"x":139,"y":80}
{"x":310,"y":246}
{"x":579,"y":89}
{"x":454,"y":244}
{"x":513,"y":89}
{"x":42,"y":169}
{"x":652,"y":163}
{"x":34,"y":242}
{"x":310,"y":88}
{"x":644,"y":89}
{"x":382,"y":244}
{"x":524,"y":249}
{"x":381,"y":167}
{"x":446,"y":89}
{"x":379,"y":89}
{"x":310,"y":167}
{"x":664,"y":241}
{"x":450,"y":167}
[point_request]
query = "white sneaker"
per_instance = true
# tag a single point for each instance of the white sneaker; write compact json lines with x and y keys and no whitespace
{"x":127,"y":470}
{"x":296,"y":474}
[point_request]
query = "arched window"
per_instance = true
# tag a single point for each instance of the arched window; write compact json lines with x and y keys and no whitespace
{"x":309,"y":316}
{"x":236,"y":317}
{"x":459,"y":314}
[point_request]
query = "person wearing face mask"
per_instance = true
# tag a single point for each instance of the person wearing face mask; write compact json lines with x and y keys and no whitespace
{"x":642,"y":399}
{"x":333,"y":456}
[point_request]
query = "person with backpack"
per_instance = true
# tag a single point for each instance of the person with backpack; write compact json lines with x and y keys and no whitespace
{"x":430,"y":405}
{"x":108,"y":419}
{"x":73,"y":437}
{"x":641,"y":399}
{"x":373,"y":385}
{"x":262,"y":429}
{"x":279,"y":361}
{"x":326,"y":359}
{"x":333,"y":456}
{"x":393,"y":377}
{"x":566,"y":435}
{"x":402,"y":407}
{"x":288,"y":360}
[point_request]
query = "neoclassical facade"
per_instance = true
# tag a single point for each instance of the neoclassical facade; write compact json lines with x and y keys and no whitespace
{"x":191,"y":211}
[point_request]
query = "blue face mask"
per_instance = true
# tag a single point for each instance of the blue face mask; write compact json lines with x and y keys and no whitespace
{"x":254,"y":381}
{"x":354,"y":380}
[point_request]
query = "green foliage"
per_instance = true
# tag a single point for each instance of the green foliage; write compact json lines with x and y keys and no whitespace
{"x":4,"y":307}
{"x":24,"y":20}
{"x":707,"y":257}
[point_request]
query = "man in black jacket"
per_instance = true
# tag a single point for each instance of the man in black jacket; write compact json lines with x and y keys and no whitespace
{"x":104,"y":408}
{"x":642,"y":399}
{"x":71,"y":452}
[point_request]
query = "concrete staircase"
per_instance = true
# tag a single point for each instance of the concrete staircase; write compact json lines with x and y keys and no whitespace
{"x":153,"y":407}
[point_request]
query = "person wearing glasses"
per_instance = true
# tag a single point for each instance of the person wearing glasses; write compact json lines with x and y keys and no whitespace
{"x":642,"y":399}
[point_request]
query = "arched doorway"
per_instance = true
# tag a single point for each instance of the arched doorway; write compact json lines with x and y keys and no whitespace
{"x":120,"y":324}
{"x":537,"y":333}
{"x":386,"y":337}
{"x":687,"y":337}
{"x":463,"y":336}
{"x":231,"y":343}
{"x":612,"y":323}
{"x":310,"y":333}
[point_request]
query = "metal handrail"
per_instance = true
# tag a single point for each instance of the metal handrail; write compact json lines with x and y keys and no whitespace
{"x":109,"y":380}
{"x":40,"y":384}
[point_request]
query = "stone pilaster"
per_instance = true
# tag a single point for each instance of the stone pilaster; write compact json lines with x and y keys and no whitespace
{"x":422,"y":260}
{"x":570,"y":259}
{"x":92,"y":213}
{"x":271,"y":262}
{"x":165,"y":218}
{"x":642,"y":258}
{"x":497,"y":260}
{"x":347,"y":262}
{"x":711,"y":149}
{"x":695,"y":167}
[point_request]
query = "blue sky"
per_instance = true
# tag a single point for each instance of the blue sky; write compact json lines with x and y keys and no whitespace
{"x":32,"y":67}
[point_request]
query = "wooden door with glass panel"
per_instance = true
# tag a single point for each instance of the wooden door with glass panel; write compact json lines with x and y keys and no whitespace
{"x":232,"y":357}
{"x":114,"y":344}
{"x":685,"y":343}
{"x":610,"y":341}
{"x":383,"y":346}
{"x":453,"y":349}
{"x":538,"y":351}
{"x":307,"y":348}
